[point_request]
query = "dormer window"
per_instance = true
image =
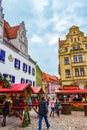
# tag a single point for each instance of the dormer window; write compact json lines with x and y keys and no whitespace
{"x":74,"y":32}
{"x":66,"y":49}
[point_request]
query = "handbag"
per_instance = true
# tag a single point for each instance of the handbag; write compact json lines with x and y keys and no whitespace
{"x":59,"y":107}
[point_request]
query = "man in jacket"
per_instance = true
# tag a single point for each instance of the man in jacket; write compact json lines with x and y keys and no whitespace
{"x":43,"y":110}
{"x":5,"y":111}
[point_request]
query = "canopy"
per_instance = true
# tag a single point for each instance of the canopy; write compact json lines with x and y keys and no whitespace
{"x":81,"y":91}
{"x":70,"y":87}
{"x":16,"y":88}
{"x":36,"y":90}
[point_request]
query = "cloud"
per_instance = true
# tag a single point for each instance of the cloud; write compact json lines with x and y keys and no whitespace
{"x":39,"y":5}
{"x":35,"y":39}
{"x":45,"y":22}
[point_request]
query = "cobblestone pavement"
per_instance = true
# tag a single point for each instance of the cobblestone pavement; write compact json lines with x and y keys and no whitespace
{"x":75,"y":121}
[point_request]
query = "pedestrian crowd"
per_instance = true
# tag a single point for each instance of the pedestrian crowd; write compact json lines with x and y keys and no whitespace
{"x":45,"y":105}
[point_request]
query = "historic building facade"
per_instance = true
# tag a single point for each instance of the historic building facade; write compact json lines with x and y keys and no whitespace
{"x":50,"y":83}
{"x":15,"y":62}
{"x":73,"y":58}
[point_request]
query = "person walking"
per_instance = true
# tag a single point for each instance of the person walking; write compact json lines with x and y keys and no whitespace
{"x":5,"y":111}
{"x":52,"y":105}
{"x":43,"y":110}
{"x":58,"y":106}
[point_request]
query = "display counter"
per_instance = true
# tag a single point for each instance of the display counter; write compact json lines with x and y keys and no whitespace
{"x":85,"y":109}
{"x":66,"y":108}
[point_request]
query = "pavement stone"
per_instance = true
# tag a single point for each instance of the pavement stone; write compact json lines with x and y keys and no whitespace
{"x":75,"y":121}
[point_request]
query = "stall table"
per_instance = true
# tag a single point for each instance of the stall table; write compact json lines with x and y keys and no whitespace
{"x":85,"y":109}
{"x":66,"y":108}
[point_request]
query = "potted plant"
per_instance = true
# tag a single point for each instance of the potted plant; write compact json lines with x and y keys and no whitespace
{"x":4,"y":82}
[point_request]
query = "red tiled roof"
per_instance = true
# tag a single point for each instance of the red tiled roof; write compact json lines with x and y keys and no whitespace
{"x":10,"y":32}
{"x":50,"y":78}
{"x":61,"y":42}
{"x":85,"y":36}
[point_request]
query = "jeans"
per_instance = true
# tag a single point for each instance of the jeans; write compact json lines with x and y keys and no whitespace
{"x":40,"y":121}
{"x":4,"y":121}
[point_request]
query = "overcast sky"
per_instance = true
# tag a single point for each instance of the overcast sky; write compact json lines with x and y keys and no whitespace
{"x":46,"y":21}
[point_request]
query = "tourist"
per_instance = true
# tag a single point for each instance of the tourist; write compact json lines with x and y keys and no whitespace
{"x":47,"y":101}
{"x":5,"y":111}
{"x":52,"y":105}
{"x":58,"y":106}
{"x":35,"y":102}
{"x":43,"y":110}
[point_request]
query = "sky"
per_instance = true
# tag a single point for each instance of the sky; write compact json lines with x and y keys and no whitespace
{"x":46,"y":21}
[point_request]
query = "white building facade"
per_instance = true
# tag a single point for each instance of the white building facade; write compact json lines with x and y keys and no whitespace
{"x":15,"y":62}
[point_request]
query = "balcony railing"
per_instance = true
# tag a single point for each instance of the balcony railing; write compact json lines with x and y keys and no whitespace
{"x":68,"y":76}
{"x":79,"y":63}
{"x":76,"y":49}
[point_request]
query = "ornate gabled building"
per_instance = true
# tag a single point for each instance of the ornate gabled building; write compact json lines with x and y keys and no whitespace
{"x":1,"y":22}
{"x":15,"y":62}
{"x":73,"y":58}
{"x":16,"y":35}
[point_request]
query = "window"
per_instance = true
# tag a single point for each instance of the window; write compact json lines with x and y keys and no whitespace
{"x":74,"y":39}
{"x":33,"y":83}
{"x":66,"y":49}
{"x":30,"y":82}
{"x":29,"y":70}
{"x":82,"y":72}
{"x":17,"y":63}
{"x":12,"y":78}
{"x":78,"y":38}
{"x":2,"y":55}
{"x":79,"y":72}
{"x":74,"y":32}
{"x":86,"y":46}
{"x":24,"y":67}
{"x":80,"y":58}
{"x":66,"y":60}
{"x":20,"y":47}
{"x":1,"y":32}
{"x":67,"y":73}
{"x":27,"y":81}
{"x":76,"y":47}
{"x":33,"y":71}
{"x":22,"y":80}
{"x":76,"y":72}
{"x":75,"y":59}
{"x":9,"y":77}
{"x":71,"y":40}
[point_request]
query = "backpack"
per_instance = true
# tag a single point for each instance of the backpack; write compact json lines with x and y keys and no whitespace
{"x":43,"y":108}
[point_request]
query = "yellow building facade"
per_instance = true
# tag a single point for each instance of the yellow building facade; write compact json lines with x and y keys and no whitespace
{"x":73,"y":58}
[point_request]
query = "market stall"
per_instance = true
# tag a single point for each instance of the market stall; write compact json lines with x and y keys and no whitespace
{"x":17,"y":90}
{"x":74,"y":97}
{"x":37,"y":93}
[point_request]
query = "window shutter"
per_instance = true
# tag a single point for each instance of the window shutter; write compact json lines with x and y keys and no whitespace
{"x":2,"y":55}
